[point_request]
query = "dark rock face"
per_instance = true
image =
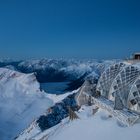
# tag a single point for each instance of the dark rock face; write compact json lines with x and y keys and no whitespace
{"x":58,"y":112}
{"x":51,"y":75}
{"x":75,"y":84}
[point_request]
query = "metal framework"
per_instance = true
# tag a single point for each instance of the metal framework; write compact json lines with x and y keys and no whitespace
{"x":107,"y":78}
{"x":123,"y":83}
{"x":117,"y":92}
{"x":134,"y":96}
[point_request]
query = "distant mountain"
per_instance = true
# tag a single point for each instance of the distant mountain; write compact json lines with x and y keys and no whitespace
{"x":50,"y":70}
{"x":57,"y":70}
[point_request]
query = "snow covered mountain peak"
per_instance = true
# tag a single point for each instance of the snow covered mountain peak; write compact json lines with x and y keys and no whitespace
{"x":21,"y":101}
{"x":13,"y":82}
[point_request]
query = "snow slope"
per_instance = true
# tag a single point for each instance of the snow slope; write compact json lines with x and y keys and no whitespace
{"x":21,"y":101}
{"x":97,"y":127}
{"x":34,"y":130}
{"x":89,"y":127}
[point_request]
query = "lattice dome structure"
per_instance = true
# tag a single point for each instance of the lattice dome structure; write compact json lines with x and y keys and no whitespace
{"x":134,"y":96}
{"x":121,"y":84}
{"x":107,"y":78}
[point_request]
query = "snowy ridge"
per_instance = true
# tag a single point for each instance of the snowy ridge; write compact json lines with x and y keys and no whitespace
{"x":21,"y":101}
{"x":34,"y":131}
{"x":25,"y":83}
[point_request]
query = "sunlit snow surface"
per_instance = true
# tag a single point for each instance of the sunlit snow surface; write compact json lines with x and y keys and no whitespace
{"x":21,"y":101}
{"x":98,"y":127}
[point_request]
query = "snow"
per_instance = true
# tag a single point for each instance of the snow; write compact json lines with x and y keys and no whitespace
{"x":57,"y":98}
{"x":21,"y":101}
{"x":33,"y":131}
{"x":97,"y":127}
{"x":11,"y":67}
{"x":88,"y":127}
{"x":137,"y":64}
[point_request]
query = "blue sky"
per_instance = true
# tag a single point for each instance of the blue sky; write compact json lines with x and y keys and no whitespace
{"x":69,"y":28}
